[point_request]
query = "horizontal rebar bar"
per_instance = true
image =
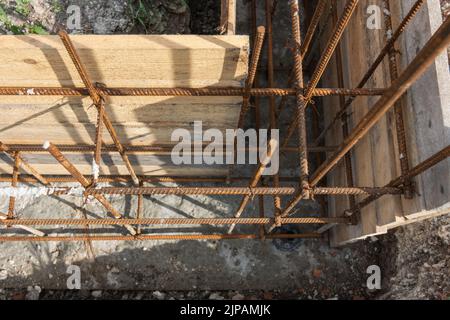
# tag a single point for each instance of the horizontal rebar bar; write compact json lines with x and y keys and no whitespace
{"x":129,"y":149}
{"x":171,"y":221}
{"x":237,"y":191}
{"x":158,"y":237}
{"x":4,"y":217}
{"x":184,"y":92}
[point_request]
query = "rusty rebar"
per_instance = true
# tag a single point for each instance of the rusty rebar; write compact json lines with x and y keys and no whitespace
{"x":438,"y":43}
{"x":253,"y":26}
{"x":257,"y":47}
{"x":324,"y":60}
{"x":53,"y":150}
{"x":305,"y":45}
{"x":384,"y":51}
{"x":345,"y":126}
{"x":98,"y":143}
{"x":171,"y":221}
{"x":185,"y":92}
{"x":149,"y":179}
{"x":270,"y":80}
{"x":155,"y":237}
{"x":97,"y":99}
{"x":140,"y":207}
{"x":232,"y":191}
{"x":15,"y":177}
{"x":399,"y":105}
{"x":23,"y":227}
{"x":130,"y":149}
{"x":272,"y":148}
{"x":318,"y":12}
{"x":301,"y":106}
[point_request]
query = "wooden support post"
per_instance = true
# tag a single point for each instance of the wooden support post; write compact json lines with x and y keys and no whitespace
{"x":228,"y":17}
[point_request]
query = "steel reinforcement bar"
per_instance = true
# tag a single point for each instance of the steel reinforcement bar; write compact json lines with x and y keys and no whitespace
{"x":432,"y":49}
{"x":185,"y":92}
{"x":232,"y":191}
{"x":170,"y":221}
{"x":158,"y":237}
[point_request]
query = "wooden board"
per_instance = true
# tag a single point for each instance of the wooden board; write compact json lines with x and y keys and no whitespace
{"x":119,"y":61}
{"x":375,"y":158}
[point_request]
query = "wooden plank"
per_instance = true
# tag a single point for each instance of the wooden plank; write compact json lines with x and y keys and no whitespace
{"x":112,"y":164}
{"x":129,"y":134}
{"x":120,"y":61}
{"x":126,"y":60}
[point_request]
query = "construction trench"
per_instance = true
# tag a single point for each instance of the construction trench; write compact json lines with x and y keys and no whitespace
{"x":363,"y":112}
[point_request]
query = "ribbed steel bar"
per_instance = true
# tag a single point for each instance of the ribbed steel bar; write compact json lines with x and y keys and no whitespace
{"x":324,"y":60}
{"x":53,"y":150}
{"x":158,"y":237}
{"x":98,"y":143}
{"x":129,"y":149}
{"x":345,"y":126}
{"x":259,"y":40}
{"x":140,"y":207}
{"x":27,"y":167}
{"x":306,"y":44}
{"x":97,"y":99}
{"x":15,"y":177}
{"x":272,"y":148}
{"x":318,"y":12}
{"x":301,"y":105}
{"x":232,"y":191}
{"x":399,"y":105}
{"x":171,"y":221}
{"x":185,"y":92}
{"x":438,"y":43}
{"x":420,"y":168}
{"x":148,"y":179}
{"x":261,"y":228}
{"x":270,"y":80}
{"x":388,"y":46}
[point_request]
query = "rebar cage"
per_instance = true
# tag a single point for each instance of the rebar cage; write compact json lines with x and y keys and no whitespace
{"x":304,"y":93}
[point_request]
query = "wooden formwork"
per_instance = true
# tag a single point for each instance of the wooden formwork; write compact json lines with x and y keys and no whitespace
{"x":376,"y":159}
{"x":123,"y":61}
